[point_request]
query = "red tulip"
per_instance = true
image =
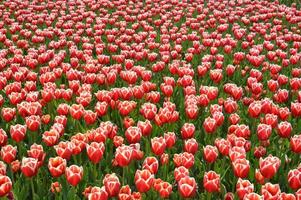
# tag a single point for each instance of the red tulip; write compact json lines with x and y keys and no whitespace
{"x":284,"y":129}
{"x":5,"y":185}
{"x":18,"y":132}
{"x":270,"y":191}
{"x":187,"y":131}
{"x":123,"y":155}
{"x":112,"y":184}
{"x":211,"y":181}
{"x":170,"y":139}
{"x":95,"y":151}
{"x":191,"y":146}
{"x":74,"y":174}
{"x":158,"y":145}
{"x":264,"y":131}
{"x":125,"y":193}
{"x":294,"y":178}
{"x":295,"y":143}
{"x":241,"y":168}
{"x":29,"y":166}
{"x":8,"y":153}
{"x":133,"y":134}
{"x":187,"y":187}
{"x":210,"y":125}
{"x":243,"y":187}
{"x":269,"y":166}
{"x":143,"y":180}
{"x":64,"y":149}
{"x":57,"y":166}
{"x":210,"y":153}
{"x":98,"y":193}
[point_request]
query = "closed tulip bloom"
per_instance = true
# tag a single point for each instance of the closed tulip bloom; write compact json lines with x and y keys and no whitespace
{"x":5,"y":185}
{"x":210,"y":153}
{"x":151,"y":164}
{"x":284,"y":129}
{"x":143,"y":180}
{"x":270,"y":191}
{"x":57,"y":166}
{"x":33,"y":122}
{"x":136,"y":196}
{"x":243,"y":187}
{"x":294,"y":178}
{"x":133,"y":134}
{"x":158,"y":145}
{"x":56,"y":187}
{"x":64,"y":149}
{"x":187,"y":131}
{"x":18,"y":132}
{"x":295,"y":144}
{"x":211,"y":181}
{"x":170,"y":139}
{"x":123,"y":155}
{"x":74,"y":174}
{"x":125,"y":193}
{"x":210,"y":125}
{"x":3,"y":137}
{"x":15,"y":166}
{"x":241,"y":167}
{"x":98,"y":193}
{"x":165,"y":189}
{"x":264,"y":131}
{"x":191,"y":145}
{"x":50,"y":138}
{"x":89,"y":116}
{"x":112,"y":184}
{"x":37,"y":151}
{"x":8,"y":153}
{"x":229,"y":196}
{"x":187,"y":187}
{"x":95,"y":151}
{"x":184,"y":159}
{"x":269,"y":166}
{"x":145,"y":127}
{"x":8,"y":114}
{"x":180,"y":172}
{"x":253,"y":196}
{"x":285,"y":196}
{"x":259,"y":178}
{"x":29,"y":166}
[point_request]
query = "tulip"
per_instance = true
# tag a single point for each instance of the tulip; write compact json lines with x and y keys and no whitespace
{"x":112,"y":184}
{"x":74,"y":174}
{"x":210,"y":153}
{"x":243,"y":187}
{"x":5,"y":185}
{"x":18,"y":132}
{"x":143,"y":180}
{"x":241,"y":168}
{"x":187,"y":187}
{"x":158,"y":145}
{"x":187,"y":131}
{"x":211,"y":181}
{"x":95,"y":151}
{"x":29,"y":166}
{"x":269,"y":166}
{"x":8,"y":153}
{"x":270,"y":191}
{"x":57,"y":166}
{"x":125,"y":193}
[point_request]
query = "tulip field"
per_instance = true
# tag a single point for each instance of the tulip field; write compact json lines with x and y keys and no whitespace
{"x":150,"y":99}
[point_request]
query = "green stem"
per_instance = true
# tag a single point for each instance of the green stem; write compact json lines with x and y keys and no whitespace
{"x":32,"y":188}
